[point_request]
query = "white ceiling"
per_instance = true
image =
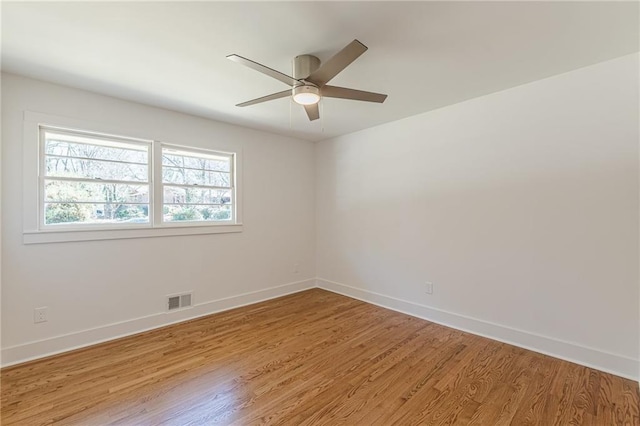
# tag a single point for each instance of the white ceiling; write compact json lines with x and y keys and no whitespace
{"x":424,"y":55}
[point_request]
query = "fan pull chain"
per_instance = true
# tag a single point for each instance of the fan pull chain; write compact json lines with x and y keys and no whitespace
{"x":322,"y":115}
{"x":291,"y":100}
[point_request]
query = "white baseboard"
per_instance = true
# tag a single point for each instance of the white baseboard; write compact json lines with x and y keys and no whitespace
{"x":63,"y":343}
{"x":589,"y":357}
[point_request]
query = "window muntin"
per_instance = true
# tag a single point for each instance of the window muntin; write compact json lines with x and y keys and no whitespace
{"x":197,"y":185}
{"x":91,"y":180}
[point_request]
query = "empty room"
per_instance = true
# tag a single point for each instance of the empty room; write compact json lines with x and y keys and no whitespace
{"x":320,"y":213}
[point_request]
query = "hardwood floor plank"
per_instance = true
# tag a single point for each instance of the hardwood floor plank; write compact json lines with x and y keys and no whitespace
{"x":311,"y":358}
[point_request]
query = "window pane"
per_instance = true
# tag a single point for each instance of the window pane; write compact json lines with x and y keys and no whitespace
{"x":182,"y":213}
{"x":193,"y":161}
{"x":95,"y":214}
{"x":200,"y":169}
{"x":95,"y":169}
{"x":60,"y":145}
{"x":179,"y":195}
{"x":56,"y":190}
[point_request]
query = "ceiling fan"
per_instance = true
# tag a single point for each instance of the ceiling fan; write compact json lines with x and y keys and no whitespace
{"x":309,"y":81}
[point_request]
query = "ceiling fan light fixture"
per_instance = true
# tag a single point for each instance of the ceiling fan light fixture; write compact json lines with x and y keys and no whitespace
{"x":306,"y":95}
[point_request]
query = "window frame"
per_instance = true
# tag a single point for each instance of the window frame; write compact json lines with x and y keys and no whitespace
{"x":34,"y":229}
{"x":159,"y":188}
{"x":42,"y":177}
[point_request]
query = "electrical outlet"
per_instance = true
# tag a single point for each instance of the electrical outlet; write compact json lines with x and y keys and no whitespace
{"x":40,"y":315}
{"x":428,"y":288}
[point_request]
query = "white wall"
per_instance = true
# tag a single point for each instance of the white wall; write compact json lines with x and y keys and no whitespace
{"x":520,"y":206}
{"x":101,"y":289}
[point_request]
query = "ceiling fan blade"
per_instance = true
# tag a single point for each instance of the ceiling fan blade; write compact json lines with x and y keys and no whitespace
{"x":266,"y":98}
{"x":337,"y":63}
{"x":264,"y":70}
{"x":312,"y":111}
{"x":356,"y":95}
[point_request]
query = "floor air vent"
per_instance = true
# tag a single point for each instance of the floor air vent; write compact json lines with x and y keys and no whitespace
{"x":178,"y":301}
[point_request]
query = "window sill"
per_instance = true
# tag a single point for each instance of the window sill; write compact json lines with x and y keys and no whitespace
{"x":43,"y":237}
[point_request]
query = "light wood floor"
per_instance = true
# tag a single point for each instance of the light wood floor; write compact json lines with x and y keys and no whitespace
{"x":313,"y":358}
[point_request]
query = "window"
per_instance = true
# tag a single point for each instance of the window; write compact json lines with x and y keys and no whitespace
{"x":196,"y":185}
{"x":122,"y":187}
{"x":91,"y":180}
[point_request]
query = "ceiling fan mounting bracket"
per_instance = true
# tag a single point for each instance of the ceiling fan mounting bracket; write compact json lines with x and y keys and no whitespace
{"x":304,"y":66}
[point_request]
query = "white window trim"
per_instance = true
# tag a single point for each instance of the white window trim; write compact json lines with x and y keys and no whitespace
{"x":33,"y":233}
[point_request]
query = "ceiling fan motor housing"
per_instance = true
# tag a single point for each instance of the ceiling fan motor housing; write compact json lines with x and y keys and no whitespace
{"x":304,"y":66}
{"x":305,"y":93}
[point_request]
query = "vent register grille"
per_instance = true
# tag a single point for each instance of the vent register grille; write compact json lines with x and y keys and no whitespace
{"x":179,"y":301}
